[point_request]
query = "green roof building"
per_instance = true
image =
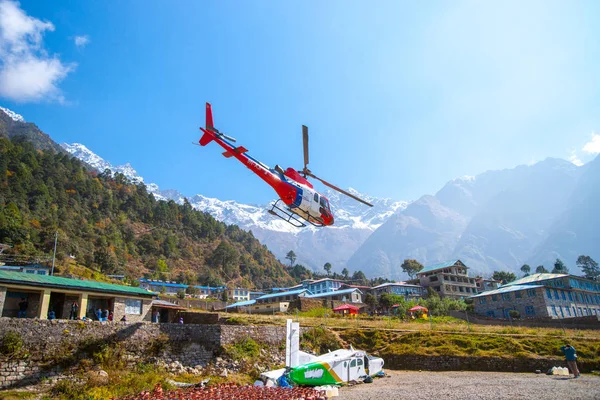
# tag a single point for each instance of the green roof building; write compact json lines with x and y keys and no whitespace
{"x":42,"y":296}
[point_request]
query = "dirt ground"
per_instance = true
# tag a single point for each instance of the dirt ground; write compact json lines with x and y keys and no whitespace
{"x":473,"y":385}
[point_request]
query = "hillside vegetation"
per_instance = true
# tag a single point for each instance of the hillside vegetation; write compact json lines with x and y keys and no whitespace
{"x":116,"y":227}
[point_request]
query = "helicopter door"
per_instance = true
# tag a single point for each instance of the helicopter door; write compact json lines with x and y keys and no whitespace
{"x":314,"y":206}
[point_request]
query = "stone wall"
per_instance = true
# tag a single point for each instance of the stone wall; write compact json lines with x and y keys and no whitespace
{"x":52,"y":348}
{"x":590,"y":322}
{"x":498,"y":364}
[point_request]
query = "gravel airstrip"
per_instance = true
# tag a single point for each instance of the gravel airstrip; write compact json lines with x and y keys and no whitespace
{"x":473,"y":385}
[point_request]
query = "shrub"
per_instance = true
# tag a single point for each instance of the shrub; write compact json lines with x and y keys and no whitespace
{"x":319,"y":340}
{"x":11,"y":343}
{"x":244,"y":349}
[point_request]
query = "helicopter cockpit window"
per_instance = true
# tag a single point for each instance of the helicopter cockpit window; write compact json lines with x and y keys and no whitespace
{"x":324,"y":203}
{"x":316,"y":198}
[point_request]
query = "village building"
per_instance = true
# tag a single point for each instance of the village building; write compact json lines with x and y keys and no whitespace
{"x":322,"y":285}
{"x":484,"y":285}
{"x":44,"y":293}
{"x":238,"y":294}
{"x":449,"y":279}
{"x":555,"y":296}
{"x":166,"y":311}
{"x":346,"y":295}
{"x":162,"y":286}
{"x":38,"y":269}
{"x":269,"y":303}
{"x":409,"y":292}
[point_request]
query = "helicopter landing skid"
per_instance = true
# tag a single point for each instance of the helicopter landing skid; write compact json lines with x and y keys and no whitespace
{"x":292,"y":218}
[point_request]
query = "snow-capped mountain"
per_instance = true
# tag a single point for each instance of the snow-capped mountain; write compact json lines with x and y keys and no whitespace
{"x":314,"y":247}
{"x":13,"y":115}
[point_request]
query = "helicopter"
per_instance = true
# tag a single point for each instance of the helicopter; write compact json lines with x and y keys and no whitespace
{"x":299,"y":202}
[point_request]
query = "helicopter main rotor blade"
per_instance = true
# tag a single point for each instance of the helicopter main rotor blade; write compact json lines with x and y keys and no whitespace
{"x":305,"y":143}
{"x":339,"y":190}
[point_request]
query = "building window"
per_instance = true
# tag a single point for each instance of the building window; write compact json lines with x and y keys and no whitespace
{"x":529,"y":310}
{"x":30,"y":271}
{"x":568,"y":310}
{"x":490,"y":314}
{"x":494,"y":297}
{"x":562,"y":293}
{"x":531,"y":292}
{"x":505,"y":296}
{"x":548,"y":293}
{"x":570,"y":296}
{"x":517,"y":295}
{"x":555,"y":294}
{"x":580,"y":312}
{"x":482,"y":300}
{"x":41,"y":272}
{"x":554,"y":311}
{"x":133,"y":306}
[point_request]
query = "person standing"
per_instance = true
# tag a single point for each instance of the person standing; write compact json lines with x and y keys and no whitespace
{"x":104,"y":315}
{"x":74,"y":311}
{"x":23,"y":305}
{"x":571,"y":357}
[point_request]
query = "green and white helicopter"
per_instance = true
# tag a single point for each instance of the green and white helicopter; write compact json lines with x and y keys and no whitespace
{"x":334,"y":368}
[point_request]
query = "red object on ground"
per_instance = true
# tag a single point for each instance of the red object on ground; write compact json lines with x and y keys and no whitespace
{"x":417,"y":308}
{"x":231,"y":391}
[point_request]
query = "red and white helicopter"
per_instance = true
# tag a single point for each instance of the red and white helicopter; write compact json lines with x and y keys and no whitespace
{"x":302,"y":201}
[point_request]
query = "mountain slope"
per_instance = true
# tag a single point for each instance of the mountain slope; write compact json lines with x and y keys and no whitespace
{"x":116,"y":226}
{"x":13,"y":125}
{"x":493,"y":221}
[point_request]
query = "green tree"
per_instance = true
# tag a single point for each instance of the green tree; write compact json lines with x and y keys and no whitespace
{"x":359,"y":278}
{"x":560,"y":267}
{"x":180,"y":294}
{"x":292,"y":257}
{"x":525,"y":269}
{"x":504,"y":276}
{"x":327,"y":268}
{"x":411,"y":267}
{"x":541,"y":270}
{"x":224,"y":296}
{"x":370,"y":300}
{"x":192,"y":290}
{"x":588,"y":266}
{"x":345,"y":273}
{"x":227,"y":257}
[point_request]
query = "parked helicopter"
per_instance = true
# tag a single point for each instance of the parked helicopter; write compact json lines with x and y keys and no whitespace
{"x":301,"y":201}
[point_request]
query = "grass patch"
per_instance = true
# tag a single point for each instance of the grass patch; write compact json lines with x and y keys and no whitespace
{"x":244,"y":349}
{"x":16,"y":395}
{"x":428,"y":343}
{"x":319,"y":340}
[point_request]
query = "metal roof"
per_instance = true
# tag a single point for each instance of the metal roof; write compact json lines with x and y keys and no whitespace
{"x":241,"y":304}
{"x":166,"y":304}
{"x":507,"y":289}
{"x":394,"y":284}
{"x":439,"y":266}
{"x":59,"y":282}
{"x":334,"y":293}
{"x":290,"y":293}
{"x":535,"y":278}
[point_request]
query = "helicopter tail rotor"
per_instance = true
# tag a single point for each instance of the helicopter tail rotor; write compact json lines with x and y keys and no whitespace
{"x":210,"y":132}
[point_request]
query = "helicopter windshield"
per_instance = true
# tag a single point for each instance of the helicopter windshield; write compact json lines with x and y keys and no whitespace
{"x":325,"y":203}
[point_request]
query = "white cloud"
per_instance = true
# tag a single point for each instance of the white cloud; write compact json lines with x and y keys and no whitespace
{"x":575,"y":159}
{"x":27,"y":72}
{"x":593,"y":146}
{"x":82,"y":41}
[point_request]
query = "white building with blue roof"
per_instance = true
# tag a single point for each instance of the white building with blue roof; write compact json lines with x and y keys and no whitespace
{"x":554,"y":296}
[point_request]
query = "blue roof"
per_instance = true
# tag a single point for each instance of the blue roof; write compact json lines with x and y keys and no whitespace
{"x":165,"y":284}
{"x":438,"y":266}
{"x":291,"y":293}
{"x":506,"y":289}
{"x":241,"y":303}
{"x":334,"y":293}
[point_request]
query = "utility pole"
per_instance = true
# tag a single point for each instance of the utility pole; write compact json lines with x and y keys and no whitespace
{"x":54,"y":256}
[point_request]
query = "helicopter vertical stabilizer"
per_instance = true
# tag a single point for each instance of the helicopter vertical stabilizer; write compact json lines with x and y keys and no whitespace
{"x":208,"y":132}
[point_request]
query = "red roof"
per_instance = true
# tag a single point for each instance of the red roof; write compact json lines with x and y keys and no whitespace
{"x":346,"y":307}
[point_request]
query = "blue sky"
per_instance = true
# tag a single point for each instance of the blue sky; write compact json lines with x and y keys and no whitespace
{"x":399,"y":98}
